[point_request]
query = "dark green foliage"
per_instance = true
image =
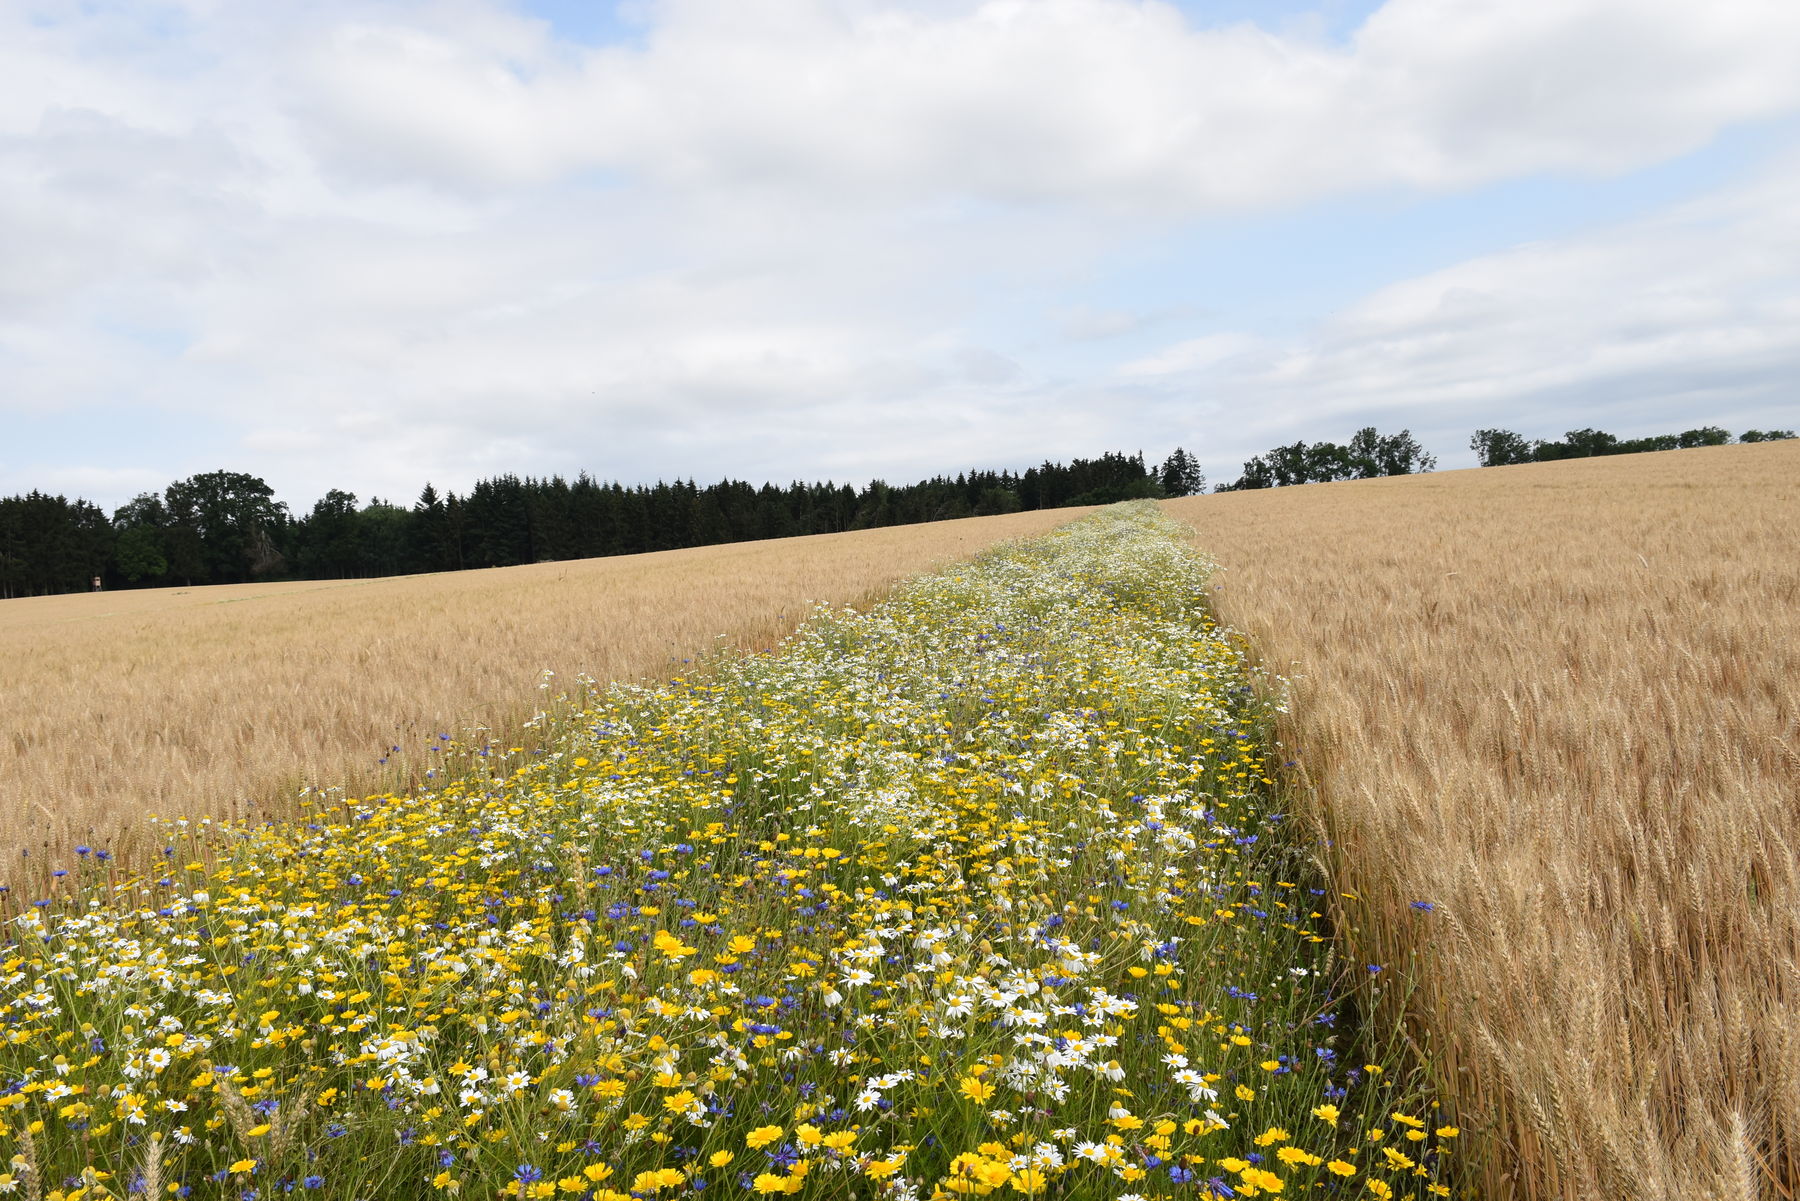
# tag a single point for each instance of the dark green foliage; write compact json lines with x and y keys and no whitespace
{"x":1496,"y":448}
{"x":1367,"y":455}
{"x":1499,"y":448}
{"x":51,"y":544}
{"x":330,"y":542}
{"x":1180,"y":475}
{"x":140,"y":552}
{"x":224,"y":527}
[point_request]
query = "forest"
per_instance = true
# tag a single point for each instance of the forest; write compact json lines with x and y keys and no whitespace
{"x":225,"y":527}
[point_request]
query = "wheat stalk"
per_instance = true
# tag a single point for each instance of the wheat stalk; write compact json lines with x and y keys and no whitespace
{"x":1587,"y":765}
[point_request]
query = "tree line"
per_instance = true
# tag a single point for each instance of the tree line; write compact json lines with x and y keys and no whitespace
{"x":1367,"y":455}
{"x":1503,"y":448}
{"x":1370,"y":453}
{"x":224,"y":527}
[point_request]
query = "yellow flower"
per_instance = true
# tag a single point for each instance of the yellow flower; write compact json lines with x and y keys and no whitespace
{"x":671,"y":946}
{"x":1267,"y":1181}
{"x":242,"y":1165}
{"x":719,"y":1159}
{"x":1379,"y":1188}
{"x":975,"y":1089}
{"x":881,"y":1169}
{"x":1448,"y":1131}
{"x":663,"y":1177}
{"x":1340,"y":1168}
{"x":762,"y":1136}
{"x":254,"y":1131}
{"x":1325,"y":1113}
{"x":596,"y":1172}
{"x":1029,"y":1181}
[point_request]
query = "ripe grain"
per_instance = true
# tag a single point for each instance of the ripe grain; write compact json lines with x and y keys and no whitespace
{"x":227,"y":701}
{"x":1561,"y":702}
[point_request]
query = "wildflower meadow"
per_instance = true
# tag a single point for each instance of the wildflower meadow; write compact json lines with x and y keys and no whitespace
{"x":986,"y":891}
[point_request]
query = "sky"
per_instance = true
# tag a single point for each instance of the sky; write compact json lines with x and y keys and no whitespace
{"x":366,"y":244}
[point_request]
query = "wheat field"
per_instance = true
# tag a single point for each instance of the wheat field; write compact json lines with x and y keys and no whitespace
{"x":225,"y":701}
{"x":1558,"y":703}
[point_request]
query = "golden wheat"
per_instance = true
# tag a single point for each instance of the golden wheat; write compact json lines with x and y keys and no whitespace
{"x":226,"y":700}
{"x":1559,"y":703}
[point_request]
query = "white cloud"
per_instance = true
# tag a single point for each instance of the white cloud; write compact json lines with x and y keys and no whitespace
{"x":373,"y":243}
{"x":1637,"y":328}
{"x":1194,"y":354}
{"x":1112,"y":102}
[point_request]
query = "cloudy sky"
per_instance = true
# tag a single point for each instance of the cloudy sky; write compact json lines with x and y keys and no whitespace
{"x":368,"y":243}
